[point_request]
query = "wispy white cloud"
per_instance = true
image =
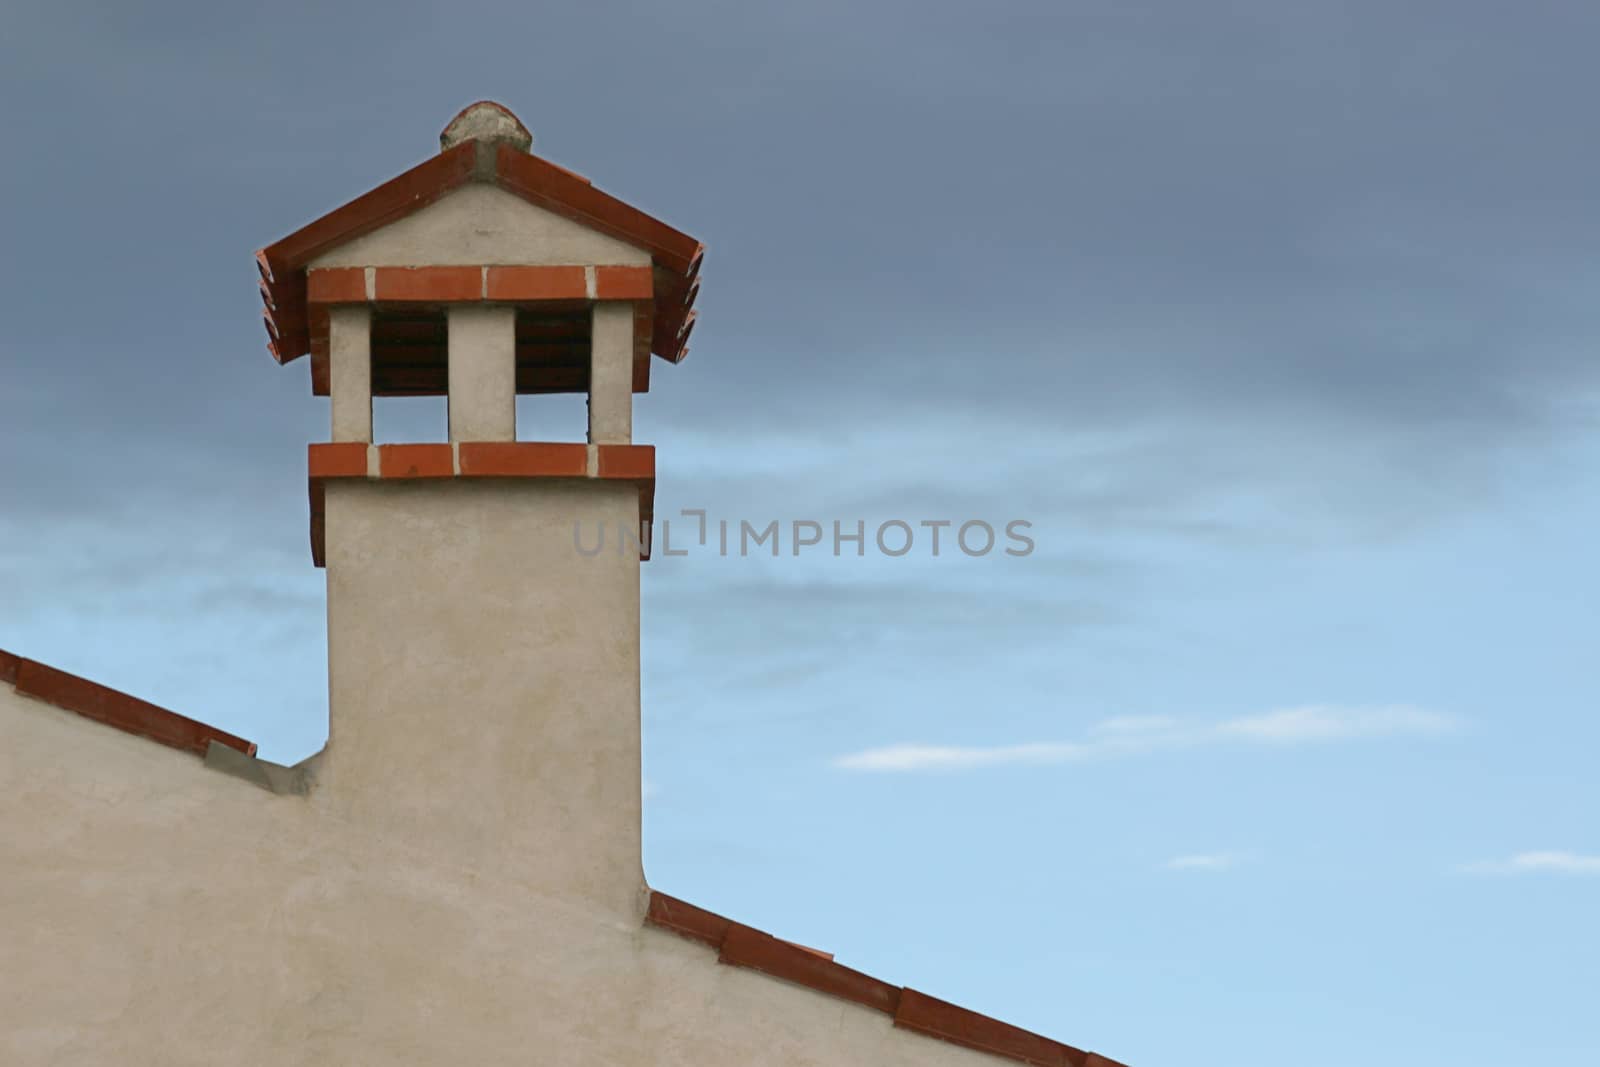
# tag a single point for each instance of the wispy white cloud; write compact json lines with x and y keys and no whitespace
{"x":1322,"y":723}
{"x":1210,"y":861}
{"x":1134,"y":725}
{"x":1551,"y":862}
{"x":949,"y":757}
{"x":1133,"y":735}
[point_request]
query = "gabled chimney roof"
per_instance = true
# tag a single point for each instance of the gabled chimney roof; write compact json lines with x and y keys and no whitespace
{"x":484,"y":143}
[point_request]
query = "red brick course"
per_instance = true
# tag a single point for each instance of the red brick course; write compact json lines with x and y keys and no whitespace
{"x":537,"y":283}
{"x":523,"y":459}
{"x":337,"y":285}
{"x":627,"y":461}
{"x":428,"y":285}
{"x":623,"y":283}
{"x":415,"y":461}
{"x":339,"y":459}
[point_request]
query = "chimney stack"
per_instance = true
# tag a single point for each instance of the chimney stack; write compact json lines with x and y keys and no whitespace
{"x":483,"y":669}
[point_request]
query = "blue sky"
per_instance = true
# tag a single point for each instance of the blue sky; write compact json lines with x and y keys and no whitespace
{"x":1275,"y":321}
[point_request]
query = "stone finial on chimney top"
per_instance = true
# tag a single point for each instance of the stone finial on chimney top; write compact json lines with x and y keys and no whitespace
{"x":486,"y":121}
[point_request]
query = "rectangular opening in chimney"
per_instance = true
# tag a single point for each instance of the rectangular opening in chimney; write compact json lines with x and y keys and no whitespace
{"x":553,"y":348}
{"x":553,"y":417}
{"x":409,"y":352}
{"x":553,"y":372}
{"x":410,"y":364}
{"x":409,"y":376}
{"x":410,"y":420}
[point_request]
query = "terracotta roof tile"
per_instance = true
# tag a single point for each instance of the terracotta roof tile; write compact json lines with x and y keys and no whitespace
{"x":686,"y":920}
{"x":126,"y":713}
{"x":950,"y":1022}
{"x":743,"y":946}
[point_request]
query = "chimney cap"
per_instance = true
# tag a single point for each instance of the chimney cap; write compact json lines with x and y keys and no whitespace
{"x":486,"y":121}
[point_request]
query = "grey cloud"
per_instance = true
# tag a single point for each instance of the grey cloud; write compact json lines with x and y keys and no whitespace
{"x":1101,"y":214}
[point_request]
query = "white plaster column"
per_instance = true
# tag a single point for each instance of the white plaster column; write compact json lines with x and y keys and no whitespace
{"x":483,"y":373}
{"x":350,"y":372}
{"x":611,"y":373}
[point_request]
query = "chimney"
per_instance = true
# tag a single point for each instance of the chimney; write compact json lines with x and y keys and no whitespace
{"x":483,"y":659}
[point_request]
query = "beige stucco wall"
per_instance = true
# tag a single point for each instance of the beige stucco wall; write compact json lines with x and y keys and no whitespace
{"x":462,"y":884}
{"x":350,"y":372}
{"x":484,"y":678}
{"x":483,"y":224}
{"x":482,"y":373}
{"x":611,"y":373}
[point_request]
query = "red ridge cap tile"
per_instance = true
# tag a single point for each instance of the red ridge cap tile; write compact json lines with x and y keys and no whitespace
{"x":537,"y":283}
{"x":624,"y":283}
{"x":338,"y":459}
{"x":428,"y":284}
{"x":627,"y":461}
{"x":523,"y":459}
{"x":337,"y":285}
{"x":416,"y":461}
{"x":113,"y":708}
{"x":745,"y":947}
{"x":960,"y":1026}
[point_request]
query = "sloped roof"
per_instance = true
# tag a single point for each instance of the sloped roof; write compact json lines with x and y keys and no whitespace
{"x":743,"y":946}
{"x":129,"y":714}
{"x":675,"y":255}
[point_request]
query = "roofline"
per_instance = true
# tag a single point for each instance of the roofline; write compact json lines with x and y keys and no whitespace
{"x":743,"y":946}
{"x":113,"y":708}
